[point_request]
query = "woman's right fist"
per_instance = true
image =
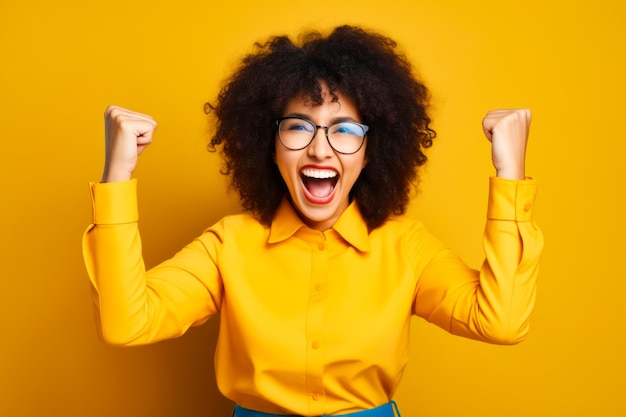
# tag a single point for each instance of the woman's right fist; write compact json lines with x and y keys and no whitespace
{"x":127,"y":134}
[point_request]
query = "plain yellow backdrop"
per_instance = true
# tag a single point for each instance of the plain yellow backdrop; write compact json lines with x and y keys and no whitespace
{"x":62,"y":62}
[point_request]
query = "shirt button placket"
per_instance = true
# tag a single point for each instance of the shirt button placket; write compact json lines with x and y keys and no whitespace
{"x":315,"y":327}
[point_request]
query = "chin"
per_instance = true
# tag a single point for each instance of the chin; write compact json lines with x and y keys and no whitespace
{"x":318,"y":216}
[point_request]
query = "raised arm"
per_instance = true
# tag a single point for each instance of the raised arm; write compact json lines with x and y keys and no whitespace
{"x":132,"y":305}
{"x":494,"y":303}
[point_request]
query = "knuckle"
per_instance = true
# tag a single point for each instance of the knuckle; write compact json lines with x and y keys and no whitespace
{"x":528,"y":113}
{"x":115,"y":113}
{"x":110,"y":109}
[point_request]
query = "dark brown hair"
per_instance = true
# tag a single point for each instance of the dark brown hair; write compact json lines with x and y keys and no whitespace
{"x":361,"y":64}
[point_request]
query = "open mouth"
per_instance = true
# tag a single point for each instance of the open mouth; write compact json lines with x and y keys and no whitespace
{"x":320,"y":183}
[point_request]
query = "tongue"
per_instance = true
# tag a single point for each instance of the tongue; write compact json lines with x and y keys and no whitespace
{"x":319,"y":188}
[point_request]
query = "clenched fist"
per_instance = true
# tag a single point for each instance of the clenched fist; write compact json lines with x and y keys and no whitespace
{"x":508,"y":132}
{"x":127,"y":134}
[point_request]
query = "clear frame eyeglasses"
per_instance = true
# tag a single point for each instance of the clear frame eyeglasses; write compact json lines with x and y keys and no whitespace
{"x":296,"y":133}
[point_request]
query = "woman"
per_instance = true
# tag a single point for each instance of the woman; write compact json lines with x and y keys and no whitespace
{"x":317,"y":282}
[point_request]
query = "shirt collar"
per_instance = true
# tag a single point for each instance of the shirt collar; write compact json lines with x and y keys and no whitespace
{"x":350,"y":225}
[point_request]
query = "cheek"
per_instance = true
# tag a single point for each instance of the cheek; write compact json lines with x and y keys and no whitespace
{"x":360,"y":163}
{"x":353,"y":170}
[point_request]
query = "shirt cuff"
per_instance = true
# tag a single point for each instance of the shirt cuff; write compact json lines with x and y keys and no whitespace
{"x":511,"y":199}
{"x":114,"y":202}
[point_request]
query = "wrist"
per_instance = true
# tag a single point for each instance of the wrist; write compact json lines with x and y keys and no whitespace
{"x":115,"y":176}
{"x":511,"y":173}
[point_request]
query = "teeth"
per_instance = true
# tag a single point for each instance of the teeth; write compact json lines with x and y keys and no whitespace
{"x":319,"y":173}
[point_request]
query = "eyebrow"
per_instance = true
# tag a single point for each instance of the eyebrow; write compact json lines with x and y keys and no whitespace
{"x":332,"y":122}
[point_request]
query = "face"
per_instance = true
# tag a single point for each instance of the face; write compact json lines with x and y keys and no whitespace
{"x":319,"y":179}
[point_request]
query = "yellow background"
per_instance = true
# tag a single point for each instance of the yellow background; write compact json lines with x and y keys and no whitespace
{"x":62,"y":62}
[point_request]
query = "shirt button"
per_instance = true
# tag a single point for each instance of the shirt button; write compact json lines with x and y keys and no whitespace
{"x":315,"y":345}
{"x":319,"y":287}
{"x":527,"y":207}
{"x":320,"y":246}
{"x":316,"y":396}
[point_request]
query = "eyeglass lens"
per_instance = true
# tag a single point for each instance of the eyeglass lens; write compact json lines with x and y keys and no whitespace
{"x":344,"y":137}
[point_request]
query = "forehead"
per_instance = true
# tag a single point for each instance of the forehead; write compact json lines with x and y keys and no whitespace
{"x":337,"y":104}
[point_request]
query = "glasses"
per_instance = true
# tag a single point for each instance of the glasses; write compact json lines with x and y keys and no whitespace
{"x":296,"y":133}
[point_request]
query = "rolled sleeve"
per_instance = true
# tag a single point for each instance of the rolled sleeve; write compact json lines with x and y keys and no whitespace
{"x":511,"y":199}
{"x":114,"y":202}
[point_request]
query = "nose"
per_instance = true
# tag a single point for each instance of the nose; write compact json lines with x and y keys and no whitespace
{"x":319,"y":148}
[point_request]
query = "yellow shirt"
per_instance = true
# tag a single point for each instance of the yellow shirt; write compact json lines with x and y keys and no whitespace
{"x":313,"y":323}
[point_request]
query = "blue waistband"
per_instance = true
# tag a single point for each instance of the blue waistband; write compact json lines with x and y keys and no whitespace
{"x":385,"y":410}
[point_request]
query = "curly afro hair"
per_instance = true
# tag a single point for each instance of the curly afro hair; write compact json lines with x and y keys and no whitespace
{"x":361,"y":64}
